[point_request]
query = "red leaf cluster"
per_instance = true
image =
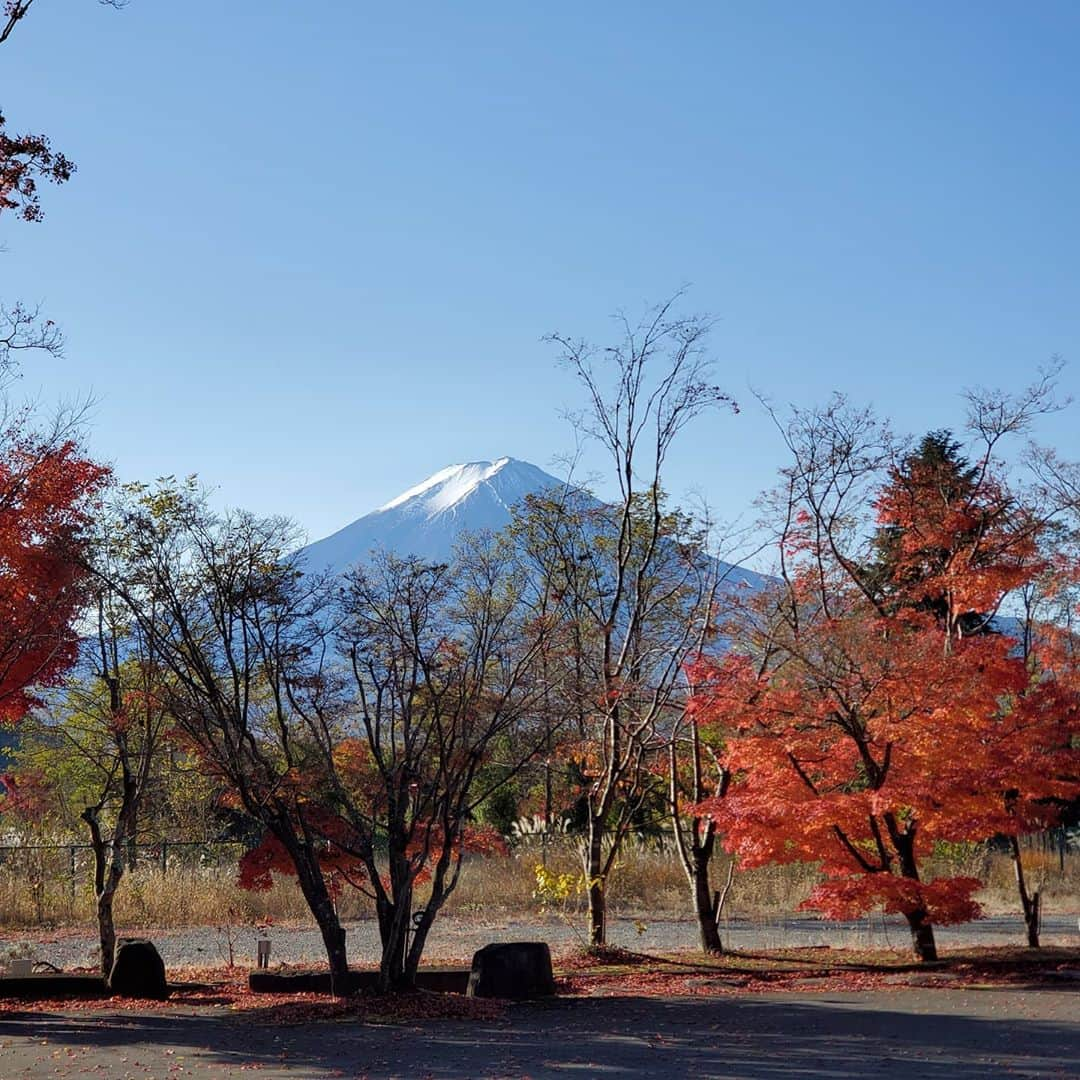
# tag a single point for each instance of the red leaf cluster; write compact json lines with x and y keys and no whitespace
{"x":45,"y":498}
{"x":336,"y":860}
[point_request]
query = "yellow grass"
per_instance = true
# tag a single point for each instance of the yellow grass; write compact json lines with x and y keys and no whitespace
{"x":36,"y":888}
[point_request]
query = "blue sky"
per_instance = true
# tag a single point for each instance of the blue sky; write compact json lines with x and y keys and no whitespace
{"x":311,"y":250}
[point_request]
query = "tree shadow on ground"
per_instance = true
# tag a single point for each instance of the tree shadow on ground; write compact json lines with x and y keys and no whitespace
{"x":942,"y":1034}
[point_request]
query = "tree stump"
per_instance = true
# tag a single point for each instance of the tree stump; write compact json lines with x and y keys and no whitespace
{"x":138,"y":970}
{"x":516,"y":970}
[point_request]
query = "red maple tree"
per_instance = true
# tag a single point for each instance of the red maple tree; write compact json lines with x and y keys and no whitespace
{"x":46,"y":494}
{"x":869,"y":713}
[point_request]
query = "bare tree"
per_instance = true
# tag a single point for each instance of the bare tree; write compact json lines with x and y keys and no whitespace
{"x":109,"y":724}
{"x":236,"y":625}
{"x":23,"y":328}
{"x":352,"y":722}
{"x":628,"y":575}
{"x":445,"y":668}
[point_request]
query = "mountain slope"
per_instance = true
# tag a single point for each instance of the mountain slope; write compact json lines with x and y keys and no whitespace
{"x":428,"y":519}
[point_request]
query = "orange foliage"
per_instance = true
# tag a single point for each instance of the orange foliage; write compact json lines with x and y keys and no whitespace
{"x":864,"y":732}
{"x":25,"y":797}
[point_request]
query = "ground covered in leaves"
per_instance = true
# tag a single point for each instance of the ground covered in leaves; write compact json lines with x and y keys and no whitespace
{"x":607,"y":973}
{"x":619,"y":973}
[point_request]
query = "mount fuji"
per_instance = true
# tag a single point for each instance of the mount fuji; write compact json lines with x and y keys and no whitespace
{"x":429,"y":519}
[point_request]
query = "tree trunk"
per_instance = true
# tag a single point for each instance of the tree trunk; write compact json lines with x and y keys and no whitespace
{"x":1030,"y":902}
{"x":922,"y":935}
{"x":416,"y":949}
{"x":313,"y":886}
{"x":132,"y":839}
{"x":922,"y":931}
{"x":393,"y":933}
{"x":705,"y":905}
{"x":106,"y":929}
{"x":108,"y":870}
{"x":1033,"y":919}
{"x":594,"y":869}
{"x":695,"y":841}
{"x":333,"y":935}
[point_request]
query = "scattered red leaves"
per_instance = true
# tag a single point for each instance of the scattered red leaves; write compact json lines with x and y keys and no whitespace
{"x":225,"y":990}
{"x":387,"y":1009}
{"x":803,"y":971}
{"x":614,"y":973}
{"x":718,"y":983}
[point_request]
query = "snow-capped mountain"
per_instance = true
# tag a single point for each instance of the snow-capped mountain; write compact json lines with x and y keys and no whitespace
{"x":427,"y":520}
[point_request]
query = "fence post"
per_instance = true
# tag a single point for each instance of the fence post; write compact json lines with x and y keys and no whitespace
{"x":71,"y":876}
{"x":164,"y":857}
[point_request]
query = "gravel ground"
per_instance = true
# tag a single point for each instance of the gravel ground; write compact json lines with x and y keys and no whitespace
{"x":888,"y":1035}
{"x":457,"y":939}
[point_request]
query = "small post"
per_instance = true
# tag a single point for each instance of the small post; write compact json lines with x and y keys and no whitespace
{"x":71,"y":876}
{"x":164,"y":857}
{"x":262,"y":952}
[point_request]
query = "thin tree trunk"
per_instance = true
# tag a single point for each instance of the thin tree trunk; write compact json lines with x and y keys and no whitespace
{"x":106,"y":929}
{"x":416,"y":949}
{"x":594,"y":871}
{"x":333,"y":935}
{"x":395,"y":914}
{"x":132,"y":839}
{"x":695,"y":840}
{"x":1030,"y":902}
{"x":441,"y":888}
{"x":108,"y":870}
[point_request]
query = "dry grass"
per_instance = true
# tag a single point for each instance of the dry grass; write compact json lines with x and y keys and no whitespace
{"x":37,"y":889}
{"x":645,"y":882}
{"x":1056,"y":875}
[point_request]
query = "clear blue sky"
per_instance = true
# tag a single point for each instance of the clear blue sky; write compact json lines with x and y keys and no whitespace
{"x":311,"y":248}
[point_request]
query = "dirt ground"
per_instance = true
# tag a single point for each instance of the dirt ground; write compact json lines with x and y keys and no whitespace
{"x":938,"y":1033}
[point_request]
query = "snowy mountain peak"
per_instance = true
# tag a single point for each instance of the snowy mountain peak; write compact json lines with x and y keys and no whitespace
{"x":428,"y":519}
{"x":448,"y":486}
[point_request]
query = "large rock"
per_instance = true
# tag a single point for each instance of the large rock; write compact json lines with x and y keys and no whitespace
{"x":138,"y":970}
{"x":515,"y":970}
